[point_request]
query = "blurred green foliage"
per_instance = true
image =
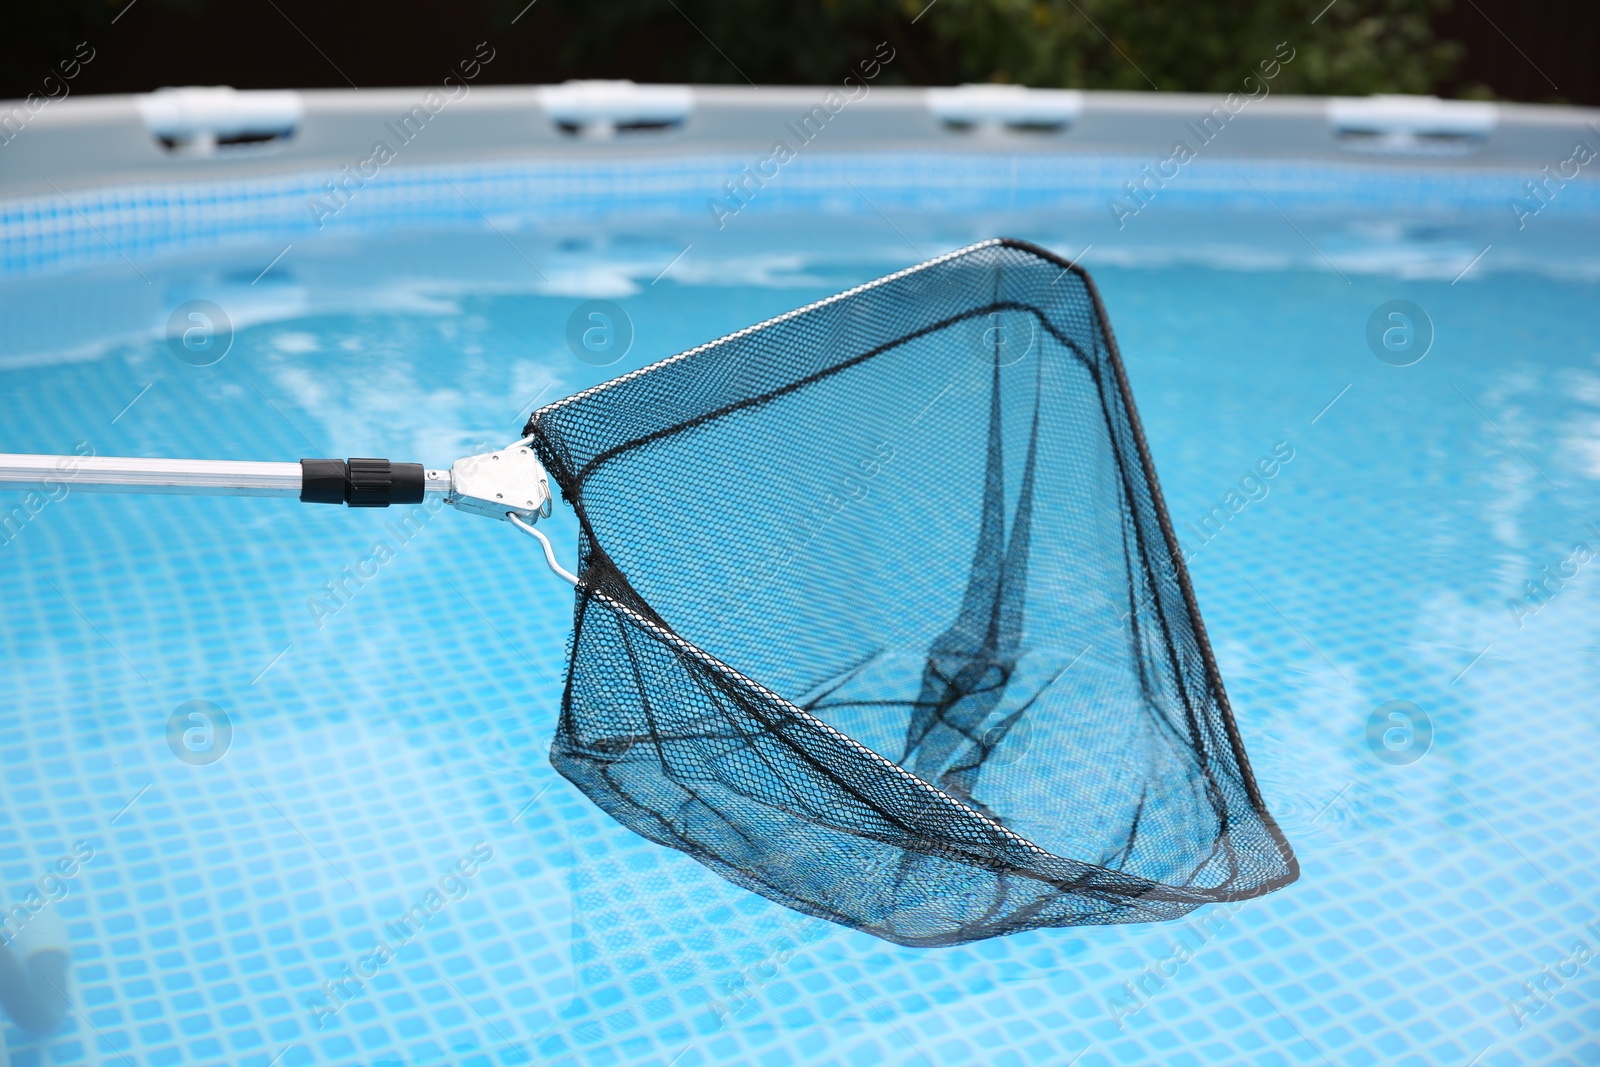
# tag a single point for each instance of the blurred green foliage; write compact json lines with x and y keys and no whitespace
{"x":1355,"y":46}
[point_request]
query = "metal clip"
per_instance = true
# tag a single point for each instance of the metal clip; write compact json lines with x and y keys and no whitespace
{"x":511,"y":481}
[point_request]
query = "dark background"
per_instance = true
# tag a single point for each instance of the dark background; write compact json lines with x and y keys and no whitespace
{"x":1530,"y":50}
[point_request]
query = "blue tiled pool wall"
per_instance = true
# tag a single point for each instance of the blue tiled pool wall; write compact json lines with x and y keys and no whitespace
{"x":377,"y":750}
{"x":62,"y":230}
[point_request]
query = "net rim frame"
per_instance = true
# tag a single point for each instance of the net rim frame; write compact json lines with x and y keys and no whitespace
{"x":1180,"y":570}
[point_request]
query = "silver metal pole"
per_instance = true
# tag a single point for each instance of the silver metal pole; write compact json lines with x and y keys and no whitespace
{"x":194,"y":477}
{"x":509,"y":484}
{"x":115,"y":474}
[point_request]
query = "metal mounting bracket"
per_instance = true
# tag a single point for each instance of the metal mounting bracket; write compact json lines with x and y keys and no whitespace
{"x":511,"y":481}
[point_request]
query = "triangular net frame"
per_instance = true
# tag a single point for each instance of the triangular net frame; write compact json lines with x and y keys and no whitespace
{"x":880,"y":615}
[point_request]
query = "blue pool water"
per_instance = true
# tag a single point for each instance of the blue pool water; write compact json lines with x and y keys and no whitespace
{"x":383,"y":745}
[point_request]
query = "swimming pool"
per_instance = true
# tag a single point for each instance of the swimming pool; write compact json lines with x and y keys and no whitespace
{"x":1423,"y":726}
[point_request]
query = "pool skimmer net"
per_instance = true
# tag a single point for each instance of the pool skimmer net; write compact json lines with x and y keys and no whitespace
{"x":879,"y":612}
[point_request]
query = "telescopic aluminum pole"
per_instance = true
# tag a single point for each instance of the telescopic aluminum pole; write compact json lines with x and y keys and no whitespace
{"x":509,"y":484}
{"x":510,"y":481}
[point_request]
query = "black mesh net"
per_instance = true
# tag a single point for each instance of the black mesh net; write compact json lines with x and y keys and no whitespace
{"x":881,"y":617}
